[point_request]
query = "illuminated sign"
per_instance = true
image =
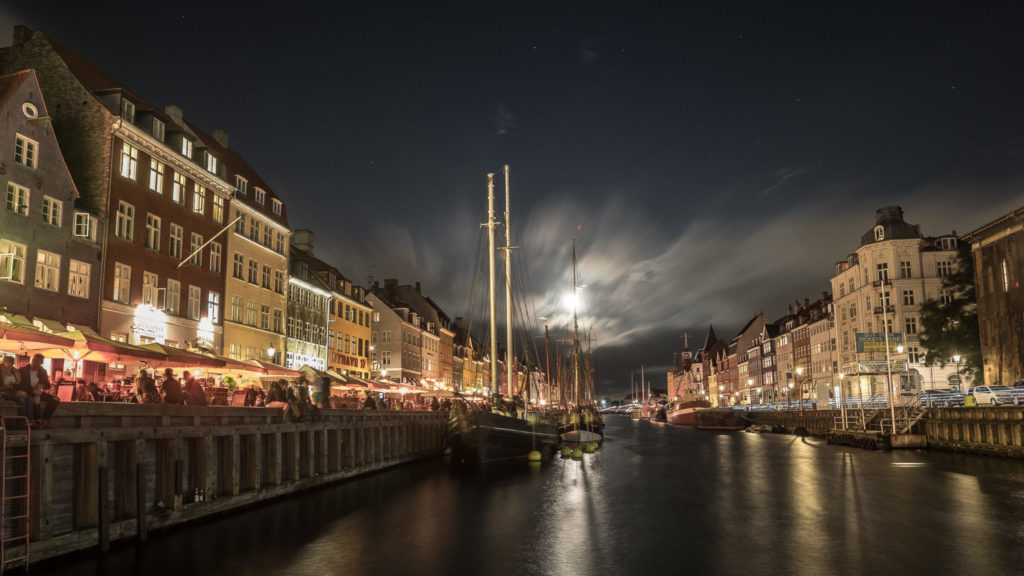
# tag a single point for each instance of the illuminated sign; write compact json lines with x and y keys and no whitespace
{"x":149,"y":324}
{"x":875,"y":342}
{"x":204,"y":334}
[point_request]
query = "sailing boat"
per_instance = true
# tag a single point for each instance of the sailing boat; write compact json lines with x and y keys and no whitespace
{"x":584,"y":423}
{"x":682,"y":411}
{"x":637,"y":412}
{"x":508,"y":429}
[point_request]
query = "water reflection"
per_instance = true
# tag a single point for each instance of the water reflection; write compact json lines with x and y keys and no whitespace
{"x":653,"y":499}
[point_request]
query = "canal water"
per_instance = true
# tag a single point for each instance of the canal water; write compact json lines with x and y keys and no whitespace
{"x":653,"y":500}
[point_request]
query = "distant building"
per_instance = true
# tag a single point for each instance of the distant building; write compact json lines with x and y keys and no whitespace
{"x":880,"y":288}
{"x":309,"y":303}
{"x":49,"y":255}
{"x":998,"y":251}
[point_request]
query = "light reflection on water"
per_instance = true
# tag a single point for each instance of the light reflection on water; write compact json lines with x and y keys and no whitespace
{"x":653,"y":499}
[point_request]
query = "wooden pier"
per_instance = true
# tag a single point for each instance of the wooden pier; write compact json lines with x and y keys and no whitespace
{"x":114,"y":471}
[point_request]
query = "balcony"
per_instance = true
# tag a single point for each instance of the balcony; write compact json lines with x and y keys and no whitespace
{"x":888,"y":310}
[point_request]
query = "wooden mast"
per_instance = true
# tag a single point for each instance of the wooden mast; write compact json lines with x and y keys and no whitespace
{"x":490,"y":237}
{"x":509,"y":357}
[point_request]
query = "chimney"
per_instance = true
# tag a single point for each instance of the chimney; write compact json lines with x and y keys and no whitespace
{"x":22,"y":34}
{"x":390,"y":284}
{"x":175,"y":113}
{"x":303,"y":240}
{"x":417,"y":287}
{"x":807,"y":302}
{"x":824,"y":296}
{"x":458,"y":321}
{"x":221,"y":136}
{"x":789,"y":309}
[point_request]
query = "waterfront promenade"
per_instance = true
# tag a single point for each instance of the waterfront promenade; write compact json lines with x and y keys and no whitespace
{"x":113,"y":471}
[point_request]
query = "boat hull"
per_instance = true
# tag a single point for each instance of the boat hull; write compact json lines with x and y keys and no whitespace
{"x":490,"y":436}
{"x":685,"y":413}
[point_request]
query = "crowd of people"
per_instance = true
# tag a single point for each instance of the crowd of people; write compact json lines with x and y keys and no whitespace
{"x":30,"y":388}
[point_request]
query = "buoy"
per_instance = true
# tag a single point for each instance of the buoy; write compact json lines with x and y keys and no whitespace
{"x":533,"y":456}
{"x":577,"y":454}
{"x":590,"y":448}
{"x":566,"y":451}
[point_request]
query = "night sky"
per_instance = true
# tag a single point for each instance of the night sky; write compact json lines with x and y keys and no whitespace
{"x":718,"y":159}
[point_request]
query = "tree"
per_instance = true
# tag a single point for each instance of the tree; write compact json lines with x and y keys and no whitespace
{"x":952,"y":328}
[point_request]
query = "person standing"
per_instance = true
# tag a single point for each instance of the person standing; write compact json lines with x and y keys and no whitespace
{"x":147,"y":391}
{"x":171,"y":388}
{"x":36,"y":382}
{"x":194,"y":394}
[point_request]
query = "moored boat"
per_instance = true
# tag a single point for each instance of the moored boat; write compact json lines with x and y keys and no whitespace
{"x":685,"y":413}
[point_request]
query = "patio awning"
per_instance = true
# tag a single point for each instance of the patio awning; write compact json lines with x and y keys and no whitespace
{"x":89,"y":345}
{"x":18,"y":338}
{"x":274,"y":369}
{"x":232,"y":365}
{"x":178,"y":358}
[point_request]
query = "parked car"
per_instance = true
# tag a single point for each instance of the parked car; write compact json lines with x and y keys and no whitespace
{"x":1018,"y":392}
{"x":993,"y":395}
{"x":941,"y":397}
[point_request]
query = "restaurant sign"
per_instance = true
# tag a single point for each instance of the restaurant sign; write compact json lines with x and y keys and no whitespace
{"x":868,"y":342}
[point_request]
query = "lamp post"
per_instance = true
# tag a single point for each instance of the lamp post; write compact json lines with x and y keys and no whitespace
{"x":956,"y":358}
{"x":272,"y":353}
{"x":789,"y":395}
{"x":720,"y":389}
{"x":750,"y":391}
{"x":842,"y":400}
{"x":799,"y":373}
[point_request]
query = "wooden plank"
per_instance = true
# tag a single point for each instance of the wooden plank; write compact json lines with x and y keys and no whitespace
{"x":85,"y":489}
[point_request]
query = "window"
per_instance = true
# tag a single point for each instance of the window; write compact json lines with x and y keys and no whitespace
{"x":195,"y":297}
{"x":149,"y":284}
{"x":198,"y":199}
{"x":238,"y":269}
{"x":911,"y":325}
{"x":17,"y":199}
{"x":78,"y":279}
{"x":159,"y":129}
{"x":943,"y":268}
{"x":129,"y":160}
{"x":850,"y":287}
{"x":879,"y":233}
{"x":213,"y":307}
{"x":882,"y":272}
{"x":172,"y":301}
{"x":884,"y":297}
{"x":156,"y":176}
{"x":905,"y":270}
{"x":174,"y":241}
{"x":197,"y":254}
{"x":178,"y":188}
{"x":385,"y":358}
{"x":266,"y":277}
{"x":253,"y":272}
{"x":276,"y":204}
{"x":278,"y":315}
{"x":250,"y":313}
{"x":215,"y":255}
{"x":913,"y":354}
{"x":280,"y":243}
{"x":52,"y":209}
{"x":218,"y":209}
{"x":261,"y":195}
{"x":948,"y":243}
{"x":122,"y":283}
{"x":47,"y":270}
{"x":254,"y":230}
{"x":241,"y":184}
{"x":128,"y":110}
{"x":25,"y":151}
{"x":211,"y":163}
{"x":385,"y":336}
{"x":279,"y":281}
{"x":236,"y":308}
{"x":908,"y":297}
{"x":265,"y":317}
{"x":853,"y":311}
{"x":124,"y":225}
{"x":186,"y":147}
{"x":945,"y":297}
{"x":83,"y":225}
{"x":235,"y":351}
{"x":153,"y":232}
{"x":267,"y":236}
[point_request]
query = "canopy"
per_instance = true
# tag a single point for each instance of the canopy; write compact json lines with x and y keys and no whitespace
{"x":232,"y":365}
{"x":178,"y":358}
{"x":274,"y":369}
{"x":88,"y":345}
{"x":17,"y":338}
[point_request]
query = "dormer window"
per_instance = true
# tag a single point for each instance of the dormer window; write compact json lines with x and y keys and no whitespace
{"x":186,"y":147}
{"x":261,"y":196}
{"x":159,"y":128}
{"x":277,"y":206}
{"x":211,"y":163}
{"x":241,"y":185}
{"x":879,"y":233}
{"x":128,"y":110}
{"x":947,"y":243}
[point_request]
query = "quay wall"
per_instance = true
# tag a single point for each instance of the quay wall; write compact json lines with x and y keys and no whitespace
{"x":115,"y":471}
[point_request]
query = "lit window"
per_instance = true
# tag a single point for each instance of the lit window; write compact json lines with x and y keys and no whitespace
{"x":124,"y":225}
{"x":52,"y":209}
{"x":236,"y":309}
{"x":12,"y":261}
{"x":17,"y":199}
{"x":265,"y":317}
{"x":199,"y":199}
{"x":215,"y":255}
{"x":122,"y":283}
{"x":153,"y":232}
{"x":179,"y":187}
{"x":156,"y":176}
{"x":213,"y":307}
{"x":149,"y":285}
{"x":250,"y":313}
{"x":173,"y":298}
{"x":211,"y":163}
{"x":186,"y":147}
{"x":174,"y":241}
{"x":195,"y":294}
{"x":197,"y":254}
{"x":25,"y":151}
{"x":47,"y":270}
{"x":78,"y":279}
{"x":129,"y":160}
{"x":218,"y":209}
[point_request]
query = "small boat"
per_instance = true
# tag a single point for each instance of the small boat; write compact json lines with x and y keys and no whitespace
{"x":684,"y":413}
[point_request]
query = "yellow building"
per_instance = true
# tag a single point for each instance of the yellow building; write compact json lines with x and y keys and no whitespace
{"x":256,"y":266}
{"x":348,"y":336}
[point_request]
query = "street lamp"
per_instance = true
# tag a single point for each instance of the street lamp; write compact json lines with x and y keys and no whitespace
{"x":799,"y":373}
{"x":750,"y":391}
{"x":789,"y":395}
{"x":272,"y":353}
{"x":956,"y":358}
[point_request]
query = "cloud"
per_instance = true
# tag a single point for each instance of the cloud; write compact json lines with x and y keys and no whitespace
{"x":504,"y":121}
{"x":781,"y":177}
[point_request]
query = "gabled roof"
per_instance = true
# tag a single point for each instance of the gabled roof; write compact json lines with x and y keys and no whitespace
{"x":10,"y":82}
{"x":711,"y":338}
